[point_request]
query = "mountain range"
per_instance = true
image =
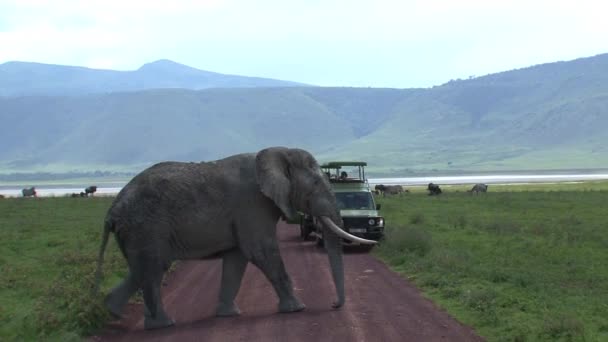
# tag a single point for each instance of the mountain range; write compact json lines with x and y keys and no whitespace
{"x":546,"y":117}
{"x":26,"y":78}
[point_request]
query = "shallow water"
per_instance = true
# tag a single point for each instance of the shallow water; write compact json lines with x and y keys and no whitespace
{"x":113,"y":189}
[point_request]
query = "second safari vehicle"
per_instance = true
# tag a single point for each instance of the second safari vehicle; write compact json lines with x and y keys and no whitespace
{"x":355,"y":201}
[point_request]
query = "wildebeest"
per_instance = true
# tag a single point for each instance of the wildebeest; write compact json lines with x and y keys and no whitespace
{"x":90,"y":189}
{"x":479,"y":187}
{"x":29,"y":192}
{"x":433,"y":189}
{"x":393,"y":190}
{"x":1,"y":196}
{"x":389,"y":189}
{"x":380,"y":188}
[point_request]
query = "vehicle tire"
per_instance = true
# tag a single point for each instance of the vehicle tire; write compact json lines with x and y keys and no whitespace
{"x":319,"y":241}
{"x":304,"y":232}
{"x":306,"y":227}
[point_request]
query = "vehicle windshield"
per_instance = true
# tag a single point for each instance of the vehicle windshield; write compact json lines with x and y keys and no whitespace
{"x":355,"y":200}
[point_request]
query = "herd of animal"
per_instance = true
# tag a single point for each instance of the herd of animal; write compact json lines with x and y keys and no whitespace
{"x":88,"y":190}
{"x":380,"y":189}
{"x":31,"y":192}
{"x":432,"y":188}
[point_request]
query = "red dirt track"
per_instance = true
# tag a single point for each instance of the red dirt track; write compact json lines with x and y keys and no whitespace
{"x":380,"y":305}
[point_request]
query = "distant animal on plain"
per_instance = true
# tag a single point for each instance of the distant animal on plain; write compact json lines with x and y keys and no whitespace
{"x":479,"y":187}
{"x":90,"y":189}
{"x":393,"y":190}
{"x":380,"y":188}
{"x":83,"y":194}
{"x":433,"y":189}
{"x":1,"y":196}
{"x":29,"y":192}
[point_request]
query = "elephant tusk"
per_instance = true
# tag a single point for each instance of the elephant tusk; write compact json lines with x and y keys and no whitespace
{"x":341,"y":233}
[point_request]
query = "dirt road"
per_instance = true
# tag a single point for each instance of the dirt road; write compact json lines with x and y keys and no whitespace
{"x":380,"y":306}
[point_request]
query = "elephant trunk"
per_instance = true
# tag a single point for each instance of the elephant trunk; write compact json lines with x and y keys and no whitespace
{"x":333,"y":245}
{"x":333,"y":236}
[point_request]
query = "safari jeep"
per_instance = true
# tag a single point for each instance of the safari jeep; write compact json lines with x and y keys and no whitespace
{"x":354,"y":199}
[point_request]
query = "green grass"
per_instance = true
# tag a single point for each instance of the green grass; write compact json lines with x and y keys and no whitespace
{"x":48,"y":251}
{"x":520,"y":263}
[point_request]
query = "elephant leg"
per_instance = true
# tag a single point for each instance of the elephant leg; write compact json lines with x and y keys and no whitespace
{"x":155,"y":316}
{"x":116,"y":300}
{"x":234,"y":264}
{"x":268,"y":259}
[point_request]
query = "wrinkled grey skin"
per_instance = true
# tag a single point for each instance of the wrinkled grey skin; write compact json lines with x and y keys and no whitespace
{"x":228,"y":207}
{"x":479,"y":187}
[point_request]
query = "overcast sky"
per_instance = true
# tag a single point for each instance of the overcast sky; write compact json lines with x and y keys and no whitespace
{"x":380,"y":43}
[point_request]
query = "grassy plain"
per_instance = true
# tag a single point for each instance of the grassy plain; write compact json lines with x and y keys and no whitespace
{"x":520,"y":263}
{"x":48,"y":250}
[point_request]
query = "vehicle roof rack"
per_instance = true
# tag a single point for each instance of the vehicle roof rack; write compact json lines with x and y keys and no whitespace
{"x":339,"y":164}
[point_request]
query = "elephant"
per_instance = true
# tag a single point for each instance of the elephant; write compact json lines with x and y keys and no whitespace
{"x":90,"y":190}
{"x":433,"y":189}
{"x":479,"y":187}
{"x":227,"y":208}
{"x":29,"y":192}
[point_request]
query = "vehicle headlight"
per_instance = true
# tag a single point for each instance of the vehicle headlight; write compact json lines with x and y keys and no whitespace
{"x":371,"y":222}
{"x":380,"y":222}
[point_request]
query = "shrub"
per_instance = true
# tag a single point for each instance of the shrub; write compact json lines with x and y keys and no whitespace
{"x":563,"y":326}
{"x":409,"y":239}
{"x":417,"y":218}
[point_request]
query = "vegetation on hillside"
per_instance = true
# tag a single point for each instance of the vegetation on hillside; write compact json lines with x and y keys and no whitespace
{"x":545,"y":117}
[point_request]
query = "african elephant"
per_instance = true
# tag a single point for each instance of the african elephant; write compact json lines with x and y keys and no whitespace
{"x":29,"y":192}
{"x":227,"y":207}
{"x":479,"y":187}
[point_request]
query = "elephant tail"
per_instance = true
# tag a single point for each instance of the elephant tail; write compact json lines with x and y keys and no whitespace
{"x":107,"y":228}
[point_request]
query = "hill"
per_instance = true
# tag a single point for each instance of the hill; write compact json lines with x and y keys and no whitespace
{"x":545,"y":117}
{"x":24,"y":78}
{"x":550,"y":116}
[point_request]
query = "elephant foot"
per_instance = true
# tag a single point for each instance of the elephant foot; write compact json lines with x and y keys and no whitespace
{"x":157,"y":323}
{"x":114,"y":309}
{"x":227,"y":310}
{"x":291,"y":305}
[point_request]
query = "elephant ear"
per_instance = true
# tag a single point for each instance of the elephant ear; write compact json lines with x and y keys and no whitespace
{"x":272,"y":172}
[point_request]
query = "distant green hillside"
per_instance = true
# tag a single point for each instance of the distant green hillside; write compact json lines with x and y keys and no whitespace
{"x":551,"y":116}
{"x":23,"y":78}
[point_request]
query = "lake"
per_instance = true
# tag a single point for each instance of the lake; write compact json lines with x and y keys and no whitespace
{"x":110,"y":189}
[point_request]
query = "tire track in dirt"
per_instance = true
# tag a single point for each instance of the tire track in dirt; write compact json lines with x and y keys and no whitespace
{"x":380,"y":305}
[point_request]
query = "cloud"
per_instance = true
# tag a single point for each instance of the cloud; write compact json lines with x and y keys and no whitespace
{"x":331,"y":42}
